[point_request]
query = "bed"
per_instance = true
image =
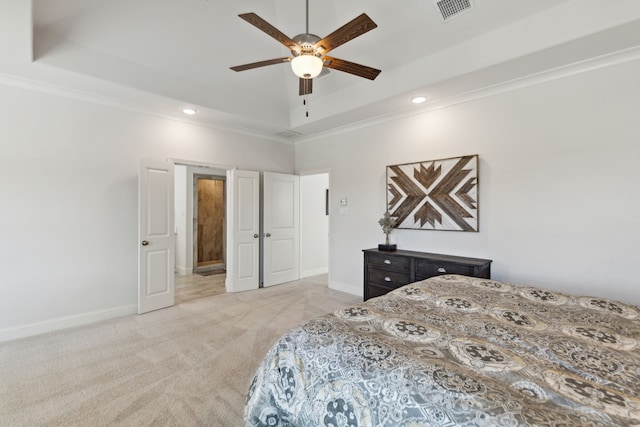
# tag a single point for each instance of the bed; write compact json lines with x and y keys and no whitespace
{"x":456,"y":351}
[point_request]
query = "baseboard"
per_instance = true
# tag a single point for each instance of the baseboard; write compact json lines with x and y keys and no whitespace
{"x":38,"y":328}
{"x":183,"y":271}
{"x":347,"y":287}
{"x":314,"y":272}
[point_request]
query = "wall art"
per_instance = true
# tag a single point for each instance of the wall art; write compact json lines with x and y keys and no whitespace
{"x":435,"y":194}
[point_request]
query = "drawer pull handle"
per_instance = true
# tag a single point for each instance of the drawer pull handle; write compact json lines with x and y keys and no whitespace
{"x":386,"y":261}
{"x":387,"y":279}
{"x":441,"y":270}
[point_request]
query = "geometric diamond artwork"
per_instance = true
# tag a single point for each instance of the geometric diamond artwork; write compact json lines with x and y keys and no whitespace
{"x":435,"y":194}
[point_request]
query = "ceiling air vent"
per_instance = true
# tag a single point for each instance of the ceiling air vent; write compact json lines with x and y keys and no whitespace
{"x":325,"y":72}
{"x":287,"y":133}
{"x":451,"y":8}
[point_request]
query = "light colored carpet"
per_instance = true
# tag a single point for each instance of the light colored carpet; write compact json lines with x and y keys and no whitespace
{"x":188,"y":365}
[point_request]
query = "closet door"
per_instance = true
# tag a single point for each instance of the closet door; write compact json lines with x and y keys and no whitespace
{"x":281,"y":228}
{"x":243,"y":230}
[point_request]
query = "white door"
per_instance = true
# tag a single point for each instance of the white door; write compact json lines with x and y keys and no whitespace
{"x":281,"y":228}
{"x":156,"y":236}
{"x":243,"y":230}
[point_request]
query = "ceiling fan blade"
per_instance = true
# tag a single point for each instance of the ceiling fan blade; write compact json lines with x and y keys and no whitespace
{"x":351,"y":68}
{"x":352,"y":29}
{"x":260,"y":64}
{"x":263,"y":25}
{"x":306,"y":86}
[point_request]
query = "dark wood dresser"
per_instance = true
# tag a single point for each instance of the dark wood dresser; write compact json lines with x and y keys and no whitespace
{"x":386,"y":271}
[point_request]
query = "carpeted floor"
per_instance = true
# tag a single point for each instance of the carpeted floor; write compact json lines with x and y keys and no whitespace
{"x":188,"y":365}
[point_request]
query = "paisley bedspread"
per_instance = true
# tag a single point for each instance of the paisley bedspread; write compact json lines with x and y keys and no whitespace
{"x":456,"y":351}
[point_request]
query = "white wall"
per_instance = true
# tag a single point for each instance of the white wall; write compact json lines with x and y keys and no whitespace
{"x":314,"y":225}
{"x":68,"y":201}
{"x":559,"y":175}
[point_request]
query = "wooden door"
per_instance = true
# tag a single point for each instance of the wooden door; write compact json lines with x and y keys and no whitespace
{"x":210,"y":214}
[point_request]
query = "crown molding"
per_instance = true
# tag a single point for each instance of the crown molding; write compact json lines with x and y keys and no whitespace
{"x":587,"y":65}
{"x":98,"y":99}
{"x":584,"y":66}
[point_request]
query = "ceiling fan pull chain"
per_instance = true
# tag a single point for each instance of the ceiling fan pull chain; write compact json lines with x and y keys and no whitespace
{"x":306,"y":104}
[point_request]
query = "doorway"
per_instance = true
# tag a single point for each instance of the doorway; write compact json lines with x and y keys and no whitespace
{"x":314,"y":223}
{"x":200,"y":231}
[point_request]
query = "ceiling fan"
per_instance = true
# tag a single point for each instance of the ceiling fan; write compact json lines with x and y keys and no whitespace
{"x":308,"y":51}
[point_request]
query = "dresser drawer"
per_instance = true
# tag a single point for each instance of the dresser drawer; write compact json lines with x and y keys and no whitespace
{"x":389,"y":262}
{"x":388,"y":279}
{"x":373,"y":291}
{"x":430,"y":268}
{"x":386,"y":271}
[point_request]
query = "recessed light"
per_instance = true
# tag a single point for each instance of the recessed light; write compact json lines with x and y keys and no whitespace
{"x":190,"y":111}
{"x":418,"y":99}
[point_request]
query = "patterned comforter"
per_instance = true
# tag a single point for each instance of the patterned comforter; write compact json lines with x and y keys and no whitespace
{"x":456,"y":351}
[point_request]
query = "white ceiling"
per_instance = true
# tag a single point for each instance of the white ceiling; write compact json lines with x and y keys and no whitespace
{"x":167,"y":54}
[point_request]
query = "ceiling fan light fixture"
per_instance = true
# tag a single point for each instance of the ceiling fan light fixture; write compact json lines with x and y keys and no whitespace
{"x":306,"y":66}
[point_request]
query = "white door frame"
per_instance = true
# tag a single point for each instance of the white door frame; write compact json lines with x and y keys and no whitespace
{"x":215,"y":169}
{"x":230,"y":260}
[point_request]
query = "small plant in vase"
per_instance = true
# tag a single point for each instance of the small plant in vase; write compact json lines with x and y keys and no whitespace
{"x":387,"y":223}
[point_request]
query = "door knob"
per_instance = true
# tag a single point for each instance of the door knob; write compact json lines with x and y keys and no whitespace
{"x":268,"y":234}
{"x":145,"y":243}
{"x":255,"y":236}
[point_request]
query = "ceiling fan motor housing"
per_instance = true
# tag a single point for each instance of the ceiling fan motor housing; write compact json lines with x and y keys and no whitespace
{"x":307,"y":44}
